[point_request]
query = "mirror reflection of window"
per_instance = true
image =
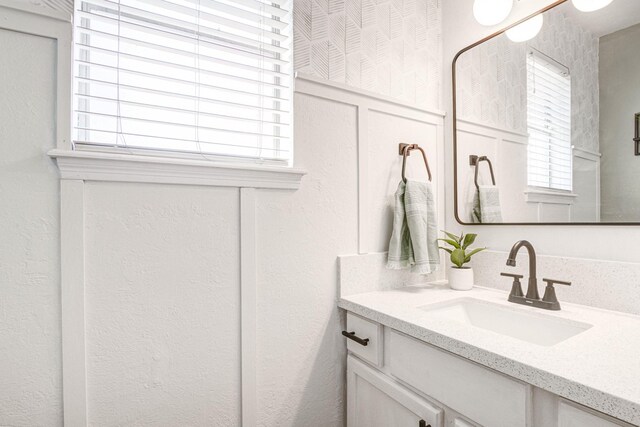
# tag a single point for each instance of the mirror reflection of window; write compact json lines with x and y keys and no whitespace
{"x":549,"y":162}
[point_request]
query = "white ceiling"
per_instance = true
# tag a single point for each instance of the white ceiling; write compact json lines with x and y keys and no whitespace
{"x":618,"y":15}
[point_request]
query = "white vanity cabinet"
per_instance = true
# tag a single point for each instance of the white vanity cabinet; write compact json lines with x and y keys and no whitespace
{"x":396,"y":380}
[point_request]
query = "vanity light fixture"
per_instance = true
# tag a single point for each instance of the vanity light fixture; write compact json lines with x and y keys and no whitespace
{"x":491,"y":12}
{"x":527,"y":30}
{"x":590,"y":5}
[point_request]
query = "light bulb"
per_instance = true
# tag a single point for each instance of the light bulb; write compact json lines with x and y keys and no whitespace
{"x":491,"y":12}
{"x":527,"y":30}
{"x":590,"y":5}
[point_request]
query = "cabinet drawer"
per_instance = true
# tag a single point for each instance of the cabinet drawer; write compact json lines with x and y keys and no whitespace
{"x":485,"y":396}
{"x":365,"y":329}
{"x":375,"y":400}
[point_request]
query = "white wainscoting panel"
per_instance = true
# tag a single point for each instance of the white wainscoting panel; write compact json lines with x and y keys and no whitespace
{"x":162,"y":292}
{"x":383,"y":123}
{"x":30,"y":313}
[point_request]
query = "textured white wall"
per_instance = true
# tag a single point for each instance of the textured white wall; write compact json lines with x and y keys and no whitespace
{"x":392,"y":47}
{"x":162,"y":304}
{"x":30,"y":358}
{"x":301,"y":352}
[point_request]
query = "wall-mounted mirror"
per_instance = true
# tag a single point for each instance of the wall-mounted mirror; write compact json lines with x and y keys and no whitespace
{"x":545,"y":128}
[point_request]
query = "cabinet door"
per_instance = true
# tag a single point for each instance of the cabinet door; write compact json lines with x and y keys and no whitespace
{"x":374,"y":400}
{"x":459,"y":422}
{"x":572,"y":416}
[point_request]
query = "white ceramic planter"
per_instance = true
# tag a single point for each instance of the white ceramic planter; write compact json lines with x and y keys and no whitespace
{"x":461,"y":279}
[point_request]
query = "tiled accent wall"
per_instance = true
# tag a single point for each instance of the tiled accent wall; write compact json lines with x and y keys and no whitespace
{"x":391,"y":47}
{"x":492,"y":79}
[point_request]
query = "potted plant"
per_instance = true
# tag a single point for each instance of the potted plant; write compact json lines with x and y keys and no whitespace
{"x":460,"y":277}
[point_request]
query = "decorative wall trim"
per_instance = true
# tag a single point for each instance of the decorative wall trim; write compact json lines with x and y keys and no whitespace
{"x":481,"y":129}
{"x":550,"y":197}
{"x":583,"y":153}
{"x":44,"y":22}
{"x":248,"y":304}
{"x":99,"y":166}
{"x":595,"y":157}
{"x":365,"y":103}
{"x":305,"y":83}
{"x":74,"y":373}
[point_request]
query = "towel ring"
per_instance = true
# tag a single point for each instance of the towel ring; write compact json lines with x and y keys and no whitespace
{"x":475,"y":161}
{"x":405,"y":151}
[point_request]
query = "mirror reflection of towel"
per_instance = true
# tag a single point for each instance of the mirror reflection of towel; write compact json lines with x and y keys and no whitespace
{"x":415,"y":229}
{"x":486,"y":205}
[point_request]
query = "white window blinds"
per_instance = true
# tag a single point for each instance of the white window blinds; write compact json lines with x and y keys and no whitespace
{"x":548,"y":123}
{"x":210,"y":77}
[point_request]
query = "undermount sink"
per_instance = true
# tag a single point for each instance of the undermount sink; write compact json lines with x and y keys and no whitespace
{"x":535,"y":328}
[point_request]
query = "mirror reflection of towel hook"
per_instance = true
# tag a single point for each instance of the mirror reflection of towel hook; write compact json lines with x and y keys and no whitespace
{"x":405,"y":151}
{"x":475,"y":161}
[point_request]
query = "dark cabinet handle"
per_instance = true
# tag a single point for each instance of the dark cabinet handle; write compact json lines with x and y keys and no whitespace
{"x":352,"y":336}
{"x":423,"y":423}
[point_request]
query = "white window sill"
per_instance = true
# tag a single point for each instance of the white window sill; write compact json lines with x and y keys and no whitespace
{"x":100,"y":166}
{"x":550,"y":197}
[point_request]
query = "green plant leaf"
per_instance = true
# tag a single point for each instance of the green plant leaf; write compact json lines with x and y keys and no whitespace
{"x":452,"y":243}
{"x":473,"y":252}
{"x":458,"y":257}
{"x":468,"y":240}
{"x":453,"y":236}
{"x":445,"y":249}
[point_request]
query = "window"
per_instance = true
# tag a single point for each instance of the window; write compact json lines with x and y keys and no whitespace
{"x":548,"y":123}
{"x":207,"y":78}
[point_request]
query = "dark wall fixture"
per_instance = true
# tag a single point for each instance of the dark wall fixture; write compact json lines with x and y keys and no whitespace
{"x":636,"y":138}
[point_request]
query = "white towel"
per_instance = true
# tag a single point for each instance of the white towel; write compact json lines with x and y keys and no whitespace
{"x":413,"y":239}
{"x":486,"y":205}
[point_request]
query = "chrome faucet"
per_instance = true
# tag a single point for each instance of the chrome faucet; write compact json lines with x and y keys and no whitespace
{"x":549,"y":301}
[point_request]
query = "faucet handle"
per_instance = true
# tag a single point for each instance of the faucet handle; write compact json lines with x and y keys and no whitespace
{"x":516,"y":287}
{"x":550,"y":292}
{"x":551,"y":282}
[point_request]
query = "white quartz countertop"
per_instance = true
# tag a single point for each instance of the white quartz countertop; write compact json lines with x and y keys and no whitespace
{"x":599,"y":367}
